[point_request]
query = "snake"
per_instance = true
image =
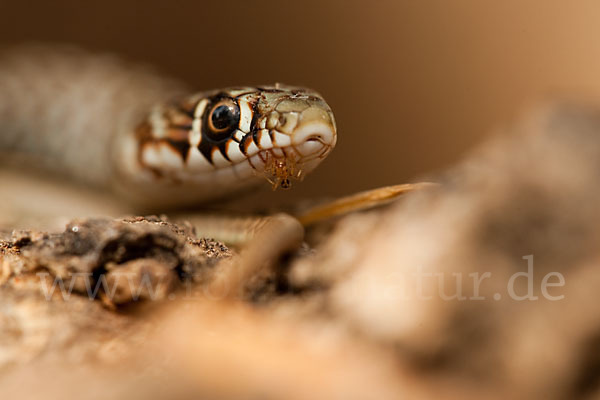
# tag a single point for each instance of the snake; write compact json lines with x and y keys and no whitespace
{"x":148,"y":139}
{"x":124,"y":131}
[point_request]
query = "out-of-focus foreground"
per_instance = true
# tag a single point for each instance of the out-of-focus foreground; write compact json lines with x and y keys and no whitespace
{"x":484,"y":287}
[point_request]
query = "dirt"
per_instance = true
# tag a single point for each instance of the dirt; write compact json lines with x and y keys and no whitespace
{"x":482,"y":287}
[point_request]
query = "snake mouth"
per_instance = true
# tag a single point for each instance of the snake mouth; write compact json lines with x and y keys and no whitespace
{"x":279,"y":165}
{"x":301,"y":152}
{"x":308,"y":145}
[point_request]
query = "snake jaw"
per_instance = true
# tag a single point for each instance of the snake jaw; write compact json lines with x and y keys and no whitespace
{"x":280,"y":165}
{"x":309,"y":145}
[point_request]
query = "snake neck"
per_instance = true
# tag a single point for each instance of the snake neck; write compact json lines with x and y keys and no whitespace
{"x":63,"y":109}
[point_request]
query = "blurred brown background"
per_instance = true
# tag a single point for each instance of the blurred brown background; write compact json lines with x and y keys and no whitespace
{"x":413,"y":84}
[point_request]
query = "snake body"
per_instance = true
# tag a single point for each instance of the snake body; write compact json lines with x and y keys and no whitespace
{"x":125,"y":129}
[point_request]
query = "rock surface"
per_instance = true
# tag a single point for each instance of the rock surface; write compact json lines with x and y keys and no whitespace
{"x":485,"y":287}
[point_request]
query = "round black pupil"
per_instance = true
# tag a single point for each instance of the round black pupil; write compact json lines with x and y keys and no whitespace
{"x":223,"y":117}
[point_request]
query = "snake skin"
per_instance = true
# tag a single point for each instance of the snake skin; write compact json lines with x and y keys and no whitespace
{"x":61,"y":107}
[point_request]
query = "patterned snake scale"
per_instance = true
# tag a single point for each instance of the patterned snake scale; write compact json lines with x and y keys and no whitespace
{"x":125,"y":129}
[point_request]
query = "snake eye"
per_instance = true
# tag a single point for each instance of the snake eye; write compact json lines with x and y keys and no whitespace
{"x":223,"y":119}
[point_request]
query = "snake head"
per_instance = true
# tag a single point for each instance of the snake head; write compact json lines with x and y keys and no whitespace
{"x":216,"y":142}
{"x":294,"y":131}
